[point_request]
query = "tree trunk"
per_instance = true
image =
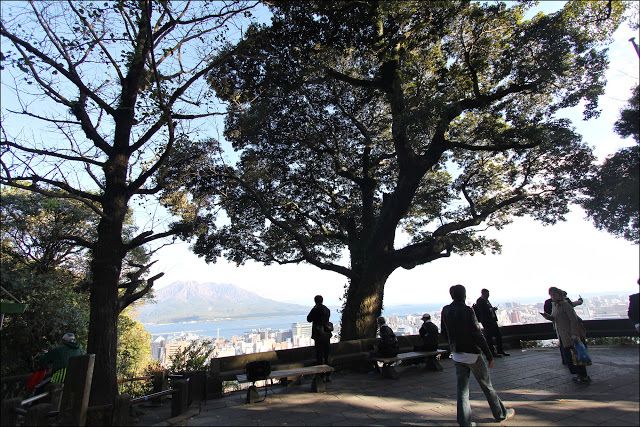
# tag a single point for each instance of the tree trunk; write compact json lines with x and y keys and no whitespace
{"x":106,"y":265}
{"x":363,"y":305}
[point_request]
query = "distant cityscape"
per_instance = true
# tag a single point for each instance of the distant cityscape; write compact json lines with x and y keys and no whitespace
{"x":165,"y":345}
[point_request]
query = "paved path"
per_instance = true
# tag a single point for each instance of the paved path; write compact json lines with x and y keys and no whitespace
{"x":534,"y":382}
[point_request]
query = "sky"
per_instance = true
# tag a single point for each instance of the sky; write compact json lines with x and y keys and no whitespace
{"x":572,"y":255}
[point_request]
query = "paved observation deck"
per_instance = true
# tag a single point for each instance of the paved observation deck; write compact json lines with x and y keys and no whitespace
{"x":533,"y":381}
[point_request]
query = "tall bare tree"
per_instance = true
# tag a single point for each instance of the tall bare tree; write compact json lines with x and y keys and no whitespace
{"x":115,"y":88}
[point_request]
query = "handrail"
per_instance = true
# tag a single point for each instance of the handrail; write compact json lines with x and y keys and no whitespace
{"x":34,"y":398}
{"x":126,"y":380}
{"x":152,"y":396}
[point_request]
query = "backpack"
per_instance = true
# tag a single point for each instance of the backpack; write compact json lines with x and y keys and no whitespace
{"x":389,"y":341}
{"x":476,"y":310}
{"x":258,"y":370}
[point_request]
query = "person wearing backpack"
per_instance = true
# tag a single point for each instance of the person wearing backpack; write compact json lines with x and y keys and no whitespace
{"x":388,"y":342}
{"x":321,"y":331}
{"x":56,"y":360}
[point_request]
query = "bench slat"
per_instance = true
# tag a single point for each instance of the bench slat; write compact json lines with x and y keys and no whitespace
{"x":406,"y":356}
{"x":284,"y":373}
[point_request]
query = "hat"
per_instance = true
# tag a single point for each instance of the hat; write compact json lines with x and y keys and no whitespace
{"x":69,"y":337}
{"x":426,"y":316}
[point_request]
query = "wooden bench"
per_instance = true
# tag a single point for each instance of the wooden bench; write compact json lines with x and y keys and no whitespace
{"x":388,"y":370}
{"x":318,"y":384}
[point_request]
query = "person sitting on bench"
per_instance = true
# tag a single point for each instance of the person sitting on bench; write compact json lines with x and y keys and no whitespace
{"x":429,"y":334}
{"x":388,"y":342}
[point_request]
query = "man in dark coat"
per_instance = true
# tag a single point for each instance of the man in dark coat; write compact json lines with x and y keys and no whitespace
{"x":388,"y":342}
{"x":57,"y":359}
{"x":429,"y":334}
{"x":319,"y":316}
{"x":486,"y":314}
{"x":466,"y":342}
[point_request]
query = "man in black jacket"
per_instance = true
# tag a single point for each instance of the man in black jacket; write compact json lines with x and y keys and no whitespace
{"x":461,"y":328}
{"x":429,"y":334}
{"x":319,"y":316}
{"x":486,"y":314}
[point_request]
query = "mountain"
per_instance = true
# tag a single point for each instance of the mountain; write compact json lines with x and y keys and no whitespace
{"x":193,"y":301}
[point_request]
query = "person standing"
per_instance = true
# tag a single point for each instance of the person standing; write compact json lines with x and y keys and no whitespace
{"x":319,"y":317}
{"x":486,"y":314}
{"x":429,"y":334}
{"x":466,"y":342}
{"x":57,"y":359}
{"x":570,"y":330}
{"x":633,"y":311}
{"x":548,"y":307}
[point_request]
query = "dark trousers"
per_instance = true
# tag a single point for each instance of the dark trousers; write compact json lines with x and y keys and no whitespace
{"x":577,"y":370}
{"x":491,"y":330}
{"x":323,"y":349}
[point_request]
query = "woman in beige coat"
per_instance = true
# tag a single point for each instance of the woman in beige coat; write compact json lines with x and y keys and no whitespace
{"x":570,"y":330}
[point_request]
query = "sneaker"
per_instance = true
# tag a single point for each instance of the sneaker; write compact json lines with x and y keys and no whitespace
{"x":510,"y":414}
{"x":497,"y":355}
{"x":581,"y":380}
{"x":505,"y":354}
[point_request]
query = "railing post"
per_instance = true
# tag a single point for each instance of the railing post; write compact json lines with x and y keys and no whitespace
{"x":121,"y":412}
{"x":37,"y":415}
{"x":180,"y":398}
{"x":8,"y":416}
{"x":214,"y":385}
{"x":55,"y":395}
{"x":159,"y":384}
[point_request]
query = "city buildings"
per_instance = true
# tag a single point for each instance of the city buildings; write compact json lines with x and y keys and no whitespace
{"x":166,"y":345}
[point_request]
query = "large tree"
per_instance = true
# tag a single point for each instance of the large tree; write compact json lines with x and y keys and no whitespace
{"x":102,"y":94}
{"x":613,"y":193}
{"x":360,"y":123}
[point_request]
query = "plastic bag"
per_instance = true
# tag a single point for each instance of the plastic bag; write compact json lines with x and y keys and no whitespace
{"x":580,"y":355}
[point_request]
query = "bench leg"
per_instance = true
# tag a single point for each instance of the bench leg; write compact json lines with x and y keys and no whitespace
{"x":318,"y":385}
{"x":389,"y":371}
{"x":252,"y":394}
{"x":433,"y":364}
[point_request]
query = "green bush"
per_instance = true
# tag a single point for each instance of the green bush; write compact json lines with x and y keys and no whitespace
{"x":194,"y":357}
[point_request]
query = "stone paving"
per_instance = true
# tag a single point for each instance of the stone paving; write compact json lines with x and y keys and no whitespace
{"x":533,"y":381}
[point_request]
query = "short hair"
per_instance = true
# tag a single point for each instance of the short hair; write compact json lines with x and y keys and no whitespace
{"x":381,"y":320}
{"x":69,"y":337}
{"x":554,"y":289}
{"x":483,"y":291}
{"x":318,"y":299}
{"x":458,"y":293}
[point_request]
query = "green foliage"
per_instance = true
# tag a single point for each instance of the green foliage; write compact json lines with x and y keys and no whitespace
{"x":40,"y":267}
{"x":38,"y":231}
{"x":355,"y":121}
{"x":613,"y":341}
{"x":142,"y":387}
{"x":613,"y":193}
{"x":194,"y":357}
{"x":55,"y":308}
{"x":134,"y":347}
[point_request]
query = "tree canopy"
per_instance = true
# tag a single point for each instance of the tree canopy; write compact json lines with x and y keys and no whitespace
{"x":613,"y":193}
{"x":393,"y":133}
{"x":111,"y":87}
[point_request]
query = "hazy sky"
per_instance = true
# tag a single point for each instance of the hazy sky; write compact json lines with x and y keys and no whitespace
{"x":572,"y":255}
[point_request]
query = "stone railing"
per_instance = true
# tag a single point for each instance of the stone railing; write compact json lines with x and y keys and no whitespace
{"x":513,"y":335}
{"x":353,"y":354}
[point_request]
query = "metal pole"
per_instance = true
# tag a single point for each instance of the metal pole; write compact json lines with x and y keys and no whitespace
{"x":635,"y":45}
